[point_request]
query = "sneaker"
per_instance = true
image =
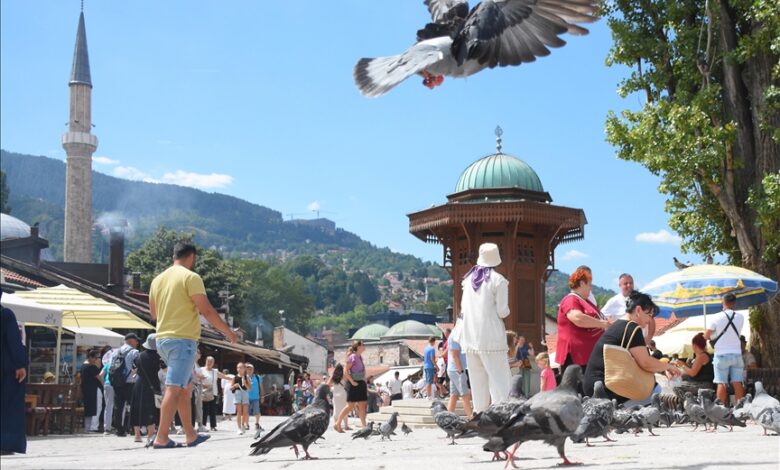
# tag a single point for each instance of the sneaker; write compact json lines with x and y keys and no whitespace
{"x":257,"y":426}
{"x":240,"y":432}
{"x":213,"y":429}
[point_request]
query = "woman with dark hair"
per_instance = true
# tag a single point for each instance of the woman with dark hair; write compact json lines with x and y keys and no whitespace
{"x":357,"y":390}
{"x":640,"y":309}
{"x":699,"y":373}
{"x":580,"y":323}
{"x":92,"y":391}
{"x":143,"y":409}
{"x":336,"y":383}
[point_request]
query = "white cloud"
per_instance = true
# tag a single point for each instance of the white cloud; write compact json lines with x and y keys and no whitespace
{"x":104,"y":161}
{"x":197,"y":180}
{"x":573,"y":254}
{"x":661,"y":236}
{"x":132,"y":173}
{"x":314,"y":206}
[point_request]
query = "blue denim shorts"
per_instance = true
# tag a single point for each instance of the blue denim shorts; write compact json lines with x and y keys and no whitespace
{"x":728,"y":366}
{"x":179,"y":355}
{"x":254,"y":406}
{"x":241,"y":397}
{"x":430,"y":375}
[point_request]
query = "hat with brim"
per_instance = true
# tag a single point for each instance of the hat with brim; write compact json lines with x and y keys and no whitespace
{"x":488,"y":255}
{"x":48,"y":375}
{"x":151,"y":342}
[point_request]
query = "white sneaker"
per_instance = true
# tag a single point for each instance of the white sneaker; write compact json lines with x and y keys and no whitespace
{"x":240,"y":432}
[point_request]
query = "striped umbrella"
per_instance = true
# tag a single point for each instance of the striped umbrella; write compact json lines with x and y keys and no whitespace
{"x":699,"y":289}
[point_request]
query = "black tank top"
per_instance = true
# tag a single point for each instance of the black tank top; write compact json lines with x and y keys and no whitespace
{"x":706,"y":373}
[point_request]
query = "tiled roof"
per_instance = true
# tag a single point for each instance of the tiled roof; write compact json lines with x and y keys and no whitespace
{"x":17,"y":278}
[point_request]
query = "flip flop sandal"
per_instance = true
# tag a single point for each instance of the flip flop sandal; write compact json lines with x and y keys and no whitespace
{"x":171,"y":444}
{"x":199,"y":440}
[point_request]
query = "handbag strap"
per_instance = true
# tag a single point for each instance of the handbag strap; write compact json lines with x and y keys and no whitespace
{"x":625,"y":331}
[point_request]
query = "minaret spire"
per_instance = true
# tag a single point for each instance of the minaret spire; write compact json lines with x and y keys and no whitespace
{"x":499,"y":133}
{"x":79,"y":145}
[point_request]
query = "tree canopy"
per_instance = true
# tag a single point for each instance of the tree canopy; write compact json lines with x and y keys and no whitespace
{"x":709,"y":127}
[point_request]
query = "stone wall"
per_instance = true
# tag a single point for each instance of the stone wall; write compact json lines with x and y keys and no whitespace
{"x":377,"y":354}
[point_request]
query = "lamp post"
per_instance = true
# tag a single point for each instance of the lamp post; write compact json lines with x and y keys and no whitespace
{"x":281,"y":316}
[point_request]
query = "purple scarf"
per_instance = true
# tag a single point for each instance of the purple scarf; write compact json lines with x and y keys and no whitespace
{"x":479,"y":274}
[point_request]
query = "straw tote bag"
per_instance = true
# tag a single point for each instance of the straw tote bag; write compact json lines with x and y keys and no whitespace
{"x":622,"y":375}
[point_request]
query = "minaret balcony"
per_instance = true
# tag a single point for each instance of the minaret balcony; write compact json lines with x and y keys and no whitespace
{"x":79,"y":138}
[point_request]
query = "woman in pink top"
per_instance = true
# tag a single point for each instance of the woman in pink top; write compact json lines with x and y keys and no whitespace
{"x":548,"y":376}
{"x":357,"y":390}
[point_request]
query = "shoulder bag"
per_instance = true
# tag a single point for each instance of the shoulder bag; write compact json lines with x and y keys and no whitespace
{"x":622,"y":375}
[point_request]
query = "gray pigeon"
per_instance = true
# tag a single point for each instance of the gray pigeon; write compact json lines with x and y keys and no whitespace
{"x":622,"y":420}
{"x":364,"y":433}
{"x":301,"y":429}
{"x":769,"y":419}
{"x":742,"y":408}
{"x":598,"y":412}
{"x":405,"y":429}
{"x":549,"y":416}
{"x":447,"y":421}
{"x":459,"y":42}
{"x":762,"y":401}
{"x":387,"y":428}
{"x":716,"y":412}
{"x":648,"y":416}
{"x":487,"y":422}
{"x":695,"y":411}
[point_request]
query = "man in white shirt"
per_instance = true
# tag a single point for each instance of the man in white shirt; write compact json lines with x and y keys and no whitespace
{"x":615,"y":307}
{"x":727,"y":363}
{"x":407,"y":390}
{"x":395,"y":388}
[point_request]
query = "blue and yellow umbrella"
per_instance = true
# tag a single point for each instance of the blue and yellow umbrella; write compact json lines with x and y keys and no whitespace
{"x":699,"y":289}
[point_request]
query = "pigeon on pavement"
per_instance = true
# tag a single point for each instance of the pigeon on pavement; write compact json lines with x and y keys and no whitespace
{"x":695,"y":411}
{"x":762,"y":402}
{"x":459,"y":42}
{"x":387,"y":428}
{"x":301,"y":429}
{"x":769,"y":419}
{"x":648,"y":416}
{"x":447,"y":421}
{"x":364,"y":433}
{"x":406,"y":429}
{"x":549,"y":416}
{"x":598,"y":412}
{"x":487,"y":422}
{"x":717,"y":412}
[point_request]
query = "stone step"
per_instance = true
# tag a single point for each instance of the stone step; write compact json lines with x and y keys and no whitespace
{"x":416,"y":413}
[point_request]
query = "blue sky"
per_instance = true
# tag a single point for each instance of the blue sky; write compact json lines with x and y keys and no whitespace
{"x":256,"y":100}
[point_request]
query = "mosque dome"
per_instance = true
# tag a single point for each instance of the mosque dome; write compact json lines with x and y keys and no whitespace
{"x":435,"y":331}
{"x":372,"y":332}
{"x":499,"y":171}
{"x":408,"y":329}
{"x":11,"y":227}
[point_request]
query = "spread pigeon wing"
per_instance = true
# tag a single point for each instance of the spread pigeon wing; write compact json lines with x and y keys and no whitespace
{"x":375,"y":77}
{"x":446,"y":10}
{"x":511,"y":32}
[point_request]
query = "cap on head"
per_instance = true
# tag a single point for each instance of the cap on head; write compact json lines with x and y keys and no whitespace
{"x":489,"y":256}
{"x":134,"y":336}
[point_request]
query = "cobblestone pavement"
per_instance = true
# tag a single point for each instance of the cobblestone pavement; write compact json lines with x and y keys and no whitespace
{"x":677,"y":447}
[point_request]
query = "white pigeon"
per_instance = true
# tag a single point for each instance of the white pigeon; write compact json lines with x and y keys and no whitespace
{"x":459,"y":42}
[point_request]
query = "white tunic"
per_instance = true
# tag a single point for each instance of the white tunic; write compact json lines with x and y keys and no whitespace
{"x":228,"y":399}
{"x":482,"y":326}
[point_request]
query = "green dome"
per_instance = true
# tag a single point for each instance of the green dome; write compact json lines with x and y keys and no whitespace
{"x":372,"y":332}
{"x":408,"y":329}
{"x":499,"y":171}
{"x":436,"y":331}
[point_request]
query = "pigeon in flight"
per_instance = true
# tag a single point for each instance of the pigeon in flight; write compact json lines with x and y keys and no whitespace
{"x":301,"y":429}
{"x":460,"y":42}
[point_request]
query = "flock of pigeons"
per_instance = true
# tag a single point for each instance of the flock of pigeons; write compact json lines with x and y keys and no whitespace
{"x":551,"y":417}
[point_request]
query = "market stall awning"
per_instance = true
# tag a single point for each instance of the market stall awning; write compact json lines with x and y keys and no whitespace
{"x":86,"y":336}
{"x":29,"y":311}
{"x":269,"y":356}
{"x":403,"y":373}
{"x":83,"y":310}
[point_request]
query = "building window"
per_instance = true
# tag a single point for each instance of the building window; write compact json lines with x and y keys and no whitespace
{"x":381,"y":359}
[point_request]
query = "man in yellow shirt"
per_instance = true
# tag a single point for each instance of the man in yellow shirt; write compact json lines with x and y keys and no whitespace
{"x":175,"y":298}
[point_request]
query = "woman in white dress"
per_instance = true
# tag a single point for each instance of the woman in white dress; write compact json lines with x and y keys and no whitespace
{"x":228,"y":399}
{"x":336,"y":383}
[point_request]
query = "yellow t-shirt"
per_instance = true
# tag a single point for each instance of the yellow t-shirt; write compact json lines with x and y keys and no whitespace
{"x":171,"y":292}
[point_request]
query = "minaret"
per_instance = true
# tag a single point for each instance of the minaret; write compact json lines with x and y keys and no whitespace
{"x":79,"y":145}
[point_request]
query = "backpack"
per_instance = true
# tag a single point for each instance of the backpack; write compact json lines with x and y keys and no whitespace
{"x":116,"y":371}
